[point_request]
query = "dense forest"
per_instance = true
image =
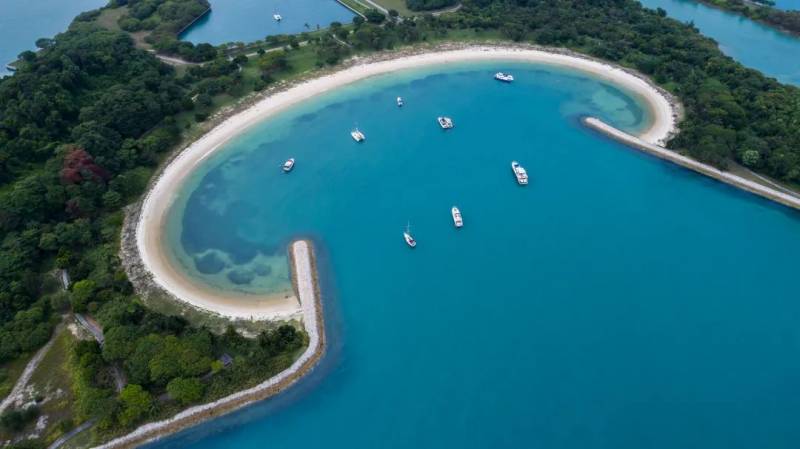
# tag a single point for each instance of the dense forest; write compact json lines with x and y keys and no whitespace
{"x":766,"y":13}
{"x":85,"y":121}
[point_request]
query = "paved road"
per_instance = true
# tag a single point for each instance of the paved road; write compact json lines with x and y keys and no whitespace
{"x":67,"y":436}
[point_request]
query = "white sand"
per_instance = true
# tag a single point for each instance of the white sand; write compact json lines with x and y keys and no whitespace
{"x":161,"y":196}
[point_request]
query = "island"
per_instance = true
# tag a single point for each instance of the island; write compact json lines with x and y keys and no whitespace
{"x":97,"y":132}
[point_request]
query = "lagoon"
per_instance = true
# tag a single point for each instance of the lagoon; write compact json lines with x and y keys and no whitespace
{"x":251,"y":20}
{"x":616,"y":302}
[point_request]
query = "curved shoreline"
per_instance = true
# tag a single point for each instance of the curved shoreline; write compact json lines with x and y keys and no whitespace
{"x":664,"y":109}
{"x":306,"y":283}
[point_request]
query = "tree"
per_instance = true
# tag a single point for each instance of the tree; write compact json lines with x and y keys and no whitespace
{"x":374,"y":16}
{"x":750,"y":158}
{"x":185,"y":391}
{"x":82,"y":292}
{"x":136,"y":403}
{"x":119,"y":343}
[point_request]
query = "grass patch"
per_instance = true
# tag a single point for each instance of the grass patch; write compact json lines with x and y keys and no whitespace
{"x":397,"y":5}
{"x":109,"y":18}
{"x":10,"y":372}
{"x":52,"y":380}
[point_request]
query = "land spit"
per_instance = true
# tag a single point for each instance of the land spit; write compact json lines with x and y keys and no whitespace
{"x":686,"y":162}
{"x":305,"y":280}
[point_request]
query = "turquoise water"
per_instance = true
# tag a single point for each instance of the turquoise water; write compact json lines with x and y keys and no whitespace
{"x":757,"y":46}
{"x":250,"y":20}
{"x":22,"y":22}
{"x":616,"y":302}
{"x":788,"y":4}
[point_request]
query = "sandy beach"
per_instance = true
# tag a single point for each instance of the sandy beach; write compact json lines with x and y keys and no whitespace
{"x":160,"y":198}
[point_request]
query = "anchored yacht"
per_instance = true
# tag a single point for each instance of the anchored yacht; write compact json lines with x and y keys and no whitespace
{"x":288,"y":165}
{"x":400,"y":102}
{"x":457,"y":220}
{"x":520,"y":173}
{"x":358,"y":136}
{"x":277,"y":17}
{"x":407,"y":236}
{"x":445,"y":122}
{"x":504,"y":77}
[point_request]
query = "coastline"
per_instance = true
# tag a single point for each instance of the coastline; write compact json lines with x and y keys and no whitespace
{"x":305,"y":280}
{"x":155,"y":270}
{"x":691,"y":164}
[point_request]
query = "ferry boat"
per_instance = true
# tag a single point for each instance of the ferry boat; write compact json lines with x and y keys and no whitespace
{"x":400,"y":102}
{"x":288,"y":165}
{"x":277,"y":17}
{"x":504,"y":77}
{"x":407,"y":236}
{"x":457,"y":220}
{"x":445,"y":122}
{"x":520,"y":173}
{"x":358,"y":136}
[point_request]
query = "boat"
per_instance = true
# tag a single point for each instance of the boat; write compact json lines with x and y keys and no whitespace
{"x":457,"y":220}
{"x":288,"y":165}
{"x":277,"y":17}
{"x":520,"y":173}
{"x":504,"y":77}
{"x":400,"y":102}
{"x":407,"y":236}
{"x":445,"y":122}
{"x":358,"y":136}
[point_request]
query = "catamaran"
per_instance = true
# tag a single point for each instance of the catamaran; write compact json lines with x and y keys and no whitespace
{"x":504,"y":77}
{"x":288,"y":165}
{"x":358,"y":136}
{"x":457,"y":220}
{"x":445,"y":122}
{"x":520,"y":173}
{"x":277,"y":17}
{"x":407,"y":236}
{"x":400,"y":102}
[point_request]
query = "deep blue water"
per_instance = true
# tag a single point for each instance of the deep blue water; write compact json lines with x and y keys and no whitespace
{"x":22,"y":22}
{"x":774,"y":53}
{"x":616,"y":302}
{"x":788,"y":4}
{"x":250,"y":20}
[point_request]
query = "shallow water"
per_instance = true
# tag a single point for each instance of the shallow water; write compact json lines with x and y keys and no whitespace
{"x":22,"y":22}
{"x":616,"y":302}
{"x":774,"y":53}
{"x":250,"y":20}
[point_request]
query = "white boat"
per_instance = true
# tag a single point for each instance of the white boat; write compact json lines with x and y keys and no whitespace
{"x":457,"y":220}
{"x":277,"y":17}
{"x":400,"y":102}
{"x":407,"y":236}
{"x":288,"y":165}
{"x":445,"y":122}
{"x":520,"y":173}
{"x":358,"y":136}
{"x":504,"y":77}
